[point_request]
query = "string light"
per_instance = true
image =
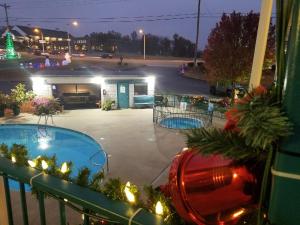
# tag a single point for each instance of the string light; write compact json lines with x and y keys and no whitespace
{"x":238,"y":213}
{"x":159,"y":210}
{"x":64,"y":168}
{"x":13,"y":159}
{"x":44,"y":165}
{"x":31,"y":163}
{"x":129,"y":195}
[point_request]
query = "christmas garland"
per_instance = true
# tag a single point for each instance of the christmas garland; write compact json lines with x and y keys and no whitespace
{"x":113,"y":188}
{"x":255,"y":124}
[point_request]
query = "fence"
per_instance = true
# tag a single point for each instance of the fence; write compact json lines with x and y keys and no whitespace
{"x":181,"y":113}
{"x":91,"y":204}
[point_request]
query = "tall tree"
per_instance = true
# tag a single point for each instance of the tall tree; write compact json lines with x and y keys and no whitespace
{"x":229,"y":53}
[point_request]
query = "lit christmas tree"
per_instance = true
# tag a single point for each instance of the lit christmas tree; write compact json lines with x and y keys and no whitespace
{"x":10,"y":50}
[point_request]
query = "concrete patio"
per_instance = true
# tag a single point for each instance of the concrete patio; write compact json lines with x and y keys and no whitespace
{"x":139,"y":150}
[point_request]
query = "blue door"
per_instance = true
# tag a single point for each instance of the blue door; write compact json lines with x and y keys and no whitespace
{"x":123,"y":95}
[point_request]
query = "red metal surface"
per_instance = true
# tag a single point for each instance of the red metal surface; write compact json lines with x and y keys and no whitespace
{"x":210,"y":190}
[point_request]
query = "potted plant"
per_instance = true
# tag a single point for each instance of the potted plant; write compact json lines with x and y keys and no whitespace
{"x":46,"y":106}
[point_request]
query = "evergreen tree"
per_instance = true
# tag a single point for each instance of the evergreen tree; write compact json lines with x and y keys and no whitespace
{"x":10,"y":50}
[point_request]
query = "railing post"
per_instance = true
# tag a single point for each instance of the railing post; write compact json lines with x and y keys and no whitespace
{"x":62,"y":211}
{"x":42,"y":208}
{"x":86,"y":220}
{"x":3,"y":206}
{"x":8,"y":200}
{"x":23,"y":203}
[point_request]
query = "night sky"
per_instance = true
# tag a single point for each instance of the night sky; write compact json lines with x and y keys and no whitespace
{"x":161,"y":17}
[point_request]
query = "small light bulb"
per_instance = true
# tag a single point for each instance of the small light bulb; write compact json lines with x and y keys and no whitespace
{"x":31,"y":163}
{"x":238,"y":213}
{"x":159,"y":210}
{"x":234,"y":175}
{"x":64,"y":168}
{"x":129,"y":195}
{"x":44,"y":165}
{"x":13,"y":159}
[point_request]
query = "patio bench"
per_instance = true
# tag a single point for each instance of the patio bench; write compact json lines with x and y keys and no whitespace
{"x":142,"y":101}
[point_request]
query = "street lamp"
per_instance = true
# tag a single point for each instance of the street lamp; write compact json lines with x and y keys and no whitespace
{"x":141,"y":31}
{"x":74,"y":24}
{"x":36,"y":30}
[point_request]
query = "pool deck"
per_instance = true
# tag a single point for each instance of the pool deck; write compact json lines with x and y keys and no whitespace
{"x":139,"y":149}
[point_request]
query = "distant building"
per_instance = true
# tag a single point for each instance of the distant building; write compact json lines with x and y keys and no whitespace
{"x":32,"y":37}
{"x":81,"y":44}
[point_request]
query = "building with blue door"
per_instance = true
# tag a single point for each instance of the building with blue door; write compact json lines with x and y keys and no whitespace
{"x":94,"y":89}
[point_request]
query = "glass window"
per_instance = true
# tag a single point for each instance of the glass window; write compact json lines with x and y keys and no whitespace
{"x":140,"y":89}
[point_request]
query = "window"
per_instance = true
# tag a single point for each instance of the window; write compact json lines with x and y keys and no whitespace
{"x":140,"y":89}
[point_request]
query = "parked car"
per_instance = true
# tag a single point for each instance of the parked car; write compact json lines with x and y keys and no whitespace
{"x":221,"y":90}
{"x":106,"y":55}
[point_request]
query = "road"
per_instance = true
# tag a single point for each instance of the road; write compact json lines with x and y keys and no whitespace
{"x":170,"y":81}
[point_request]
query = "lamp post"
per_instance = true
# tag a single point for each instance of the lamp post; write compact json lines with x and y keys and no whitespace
{"x":36,"y":30}
{"x":75,"y":24}
{"x":141,"y":31}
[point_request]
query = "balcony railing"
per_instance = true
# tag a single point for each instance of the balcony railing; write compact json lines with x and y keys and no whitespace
{"x":88,"y":202}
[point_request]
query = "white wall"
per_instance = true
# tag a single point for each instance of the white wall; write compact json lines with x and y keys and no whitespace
{"x":150,"y":89}
{"x":131,"y":94}
{"x":41,"y":88}
{"x":111,"y":92}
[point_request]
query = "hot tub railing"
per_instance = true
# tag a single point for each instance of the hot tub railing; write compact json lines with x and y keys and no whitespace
{"x":163,"y":112}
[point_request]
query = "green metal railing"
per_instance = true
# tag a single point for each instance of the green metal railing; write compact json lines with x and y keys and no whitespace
{"x":72,"y":195}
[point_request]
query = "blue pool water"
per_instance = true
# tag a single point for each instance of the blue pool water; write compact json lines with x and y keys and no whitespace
{"x":181,"y":123}
{"x":68,"y":145}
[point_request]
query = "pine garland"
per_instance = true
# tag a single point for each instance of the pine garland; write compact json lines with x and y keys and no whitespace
{"x":216,"y":141}
{"x":113,"y":188}
{"x":255,"y":124}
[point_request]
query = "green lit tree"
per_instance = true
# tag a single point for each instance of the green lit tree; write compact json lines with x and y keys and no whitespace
{"x":10,"y":50}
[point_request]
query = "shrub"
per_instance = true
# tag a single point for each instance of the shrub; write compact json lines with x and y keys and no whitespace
{"x":107,"y":105}
{"x":20,"y":95}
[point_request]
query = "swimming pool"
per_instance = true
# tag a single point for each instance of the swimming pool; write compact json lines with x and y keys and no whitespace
{"x":66,"y":144}
{"x":181,"y":123}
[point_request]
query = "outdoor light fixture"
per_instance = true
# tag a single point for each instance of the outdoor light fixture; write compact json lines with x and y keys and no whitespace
{"x":64,"y":168}
{"x":98,"y":80}
{"x":159,"y":210}
{"x":150,"y":79}
{"x":31,"y":163}
{"x":13,"y":159}
{"x":129,"y":195}
{"x":44,"y":165}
